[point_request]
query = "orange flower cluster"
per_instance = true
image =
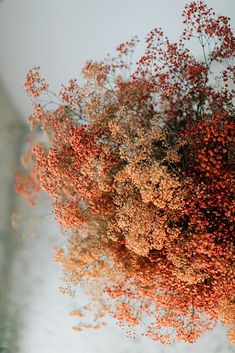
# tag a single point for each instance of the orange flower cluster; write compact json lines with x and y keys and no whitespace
{"x":34,"y":85}
{"x":141,"y":174}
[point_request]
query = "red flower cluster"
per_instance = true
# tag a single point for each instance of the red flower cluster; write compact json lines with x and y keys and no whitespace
{"x":141,"y":173}
{"x":34,"y":84}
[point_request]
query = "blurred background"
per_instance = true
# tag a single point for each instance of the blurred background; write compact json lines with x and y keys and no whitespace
{"x":60,"y":35}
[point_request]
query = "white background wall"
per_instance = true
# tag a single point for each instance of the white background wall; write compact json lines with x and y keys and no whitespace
{"x":60,"y":35}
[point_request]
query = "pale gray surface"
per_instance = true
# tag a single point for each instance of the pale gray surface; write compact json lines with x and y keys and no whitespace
{"x":60,"y":35}
{"x":10,"y":133}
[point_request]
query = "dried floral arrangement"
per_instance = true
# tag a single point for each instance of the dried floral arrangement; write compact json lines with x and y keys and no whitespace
{"x":139,"y":166}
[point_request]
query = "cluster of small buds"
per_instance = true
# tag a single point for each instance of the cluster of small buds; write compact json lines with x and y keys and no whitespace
{"x":214,"y":32}
{"x":34,"y":83}
{"x":70,"y":94}
{"x":127,"y":48}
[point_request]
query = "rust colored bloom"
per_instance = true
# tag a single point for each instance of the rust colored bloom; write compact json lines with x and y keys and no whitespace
{"x":34,"y":84}
{"x":140,"y":172}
